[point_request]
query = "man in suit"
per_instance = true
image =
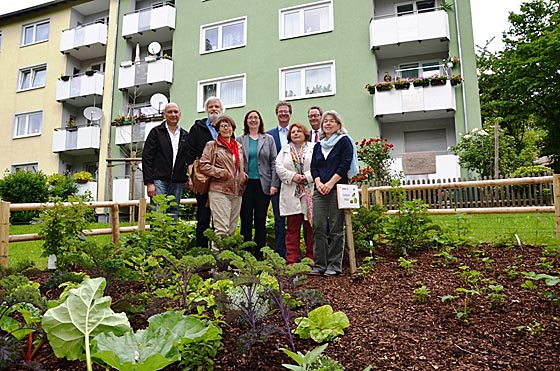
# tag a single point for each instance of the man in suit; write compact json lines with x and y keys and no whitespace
{"x":280,"y":135}
{"x":164,"y":158}
{"x":314,"y":116}
{"x":202,"y":132}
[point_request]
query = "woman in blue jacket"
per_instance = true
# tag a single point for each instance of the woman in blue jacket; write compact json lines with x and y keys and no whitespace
{"x":334,"y":161}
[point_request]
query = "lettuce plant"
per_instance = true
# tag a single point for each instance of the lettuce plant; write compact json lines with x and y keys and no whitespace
{"x":84,"y":314}
{"x":322,"y":324}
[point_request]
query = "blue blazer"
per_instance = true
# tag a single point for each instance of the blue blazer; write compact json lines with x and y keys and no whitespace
{"x":275,"y":134}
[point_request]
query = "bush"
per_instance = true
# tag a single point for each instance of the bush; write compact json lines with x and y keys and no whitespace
{"x":24,"y":187}
{"x":62,"y":186}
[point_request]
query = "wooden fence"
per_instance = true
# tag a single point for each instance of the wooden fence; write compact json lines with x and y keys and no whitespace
{"x":469,"y":197}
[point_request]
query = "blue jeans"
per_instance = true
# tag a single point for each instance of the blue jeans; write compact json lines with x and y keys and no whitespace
{"x":170,"y":189}
{"x":279,"y":226}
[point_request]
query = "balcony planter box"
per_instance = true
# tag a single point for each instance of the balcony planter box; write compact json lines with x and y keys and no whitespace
{"x":90,"y":73}
{"x":421,"y":83}
{"x":151,"y":58}
{"x":402,"y":86}
{"x":384,"y":87}
{"x":438,"y":82}
{"x":71,"y":128}
{"x":65,"y":78}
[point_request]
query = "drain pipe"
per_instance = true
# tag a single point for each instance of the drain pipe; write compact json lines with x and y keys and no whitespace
{"x":461,"y":65}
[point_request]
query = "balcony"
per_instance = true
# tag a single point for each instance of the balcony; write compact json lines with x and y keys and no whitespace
{"x":77,"y":140}
{"x":159,"y":19}
{"x":151,"y":76}
{"x":415,"y":103}
{"x":80,"y":90}
{"x":89,"y":188}
{"x":410,"y":34}
{"x":134,"y":133}
{"x":84,"y":42}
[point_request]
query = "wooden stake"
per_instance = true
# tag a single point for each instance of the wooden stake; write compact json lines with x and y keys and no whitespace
{"x":556,"y":190}
{"x":115,"y":234}
{"x":142,"y":214}
{"x":4,"y":232}
{"x":350,"y":240}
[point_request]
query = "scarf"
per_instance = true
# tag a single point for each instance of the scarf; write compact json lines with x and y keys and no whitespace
{"x":302,"y":189}
{"x":333,"y":141}
{"x":232,"y":147}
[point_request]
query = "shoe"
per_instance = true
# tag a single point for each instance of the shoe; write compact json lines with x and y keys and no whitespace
{"x":316,"y":272}
{"x":331,"y":272}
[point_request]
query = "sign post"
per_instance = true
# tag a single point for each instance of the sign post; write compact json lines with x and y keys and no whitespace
{"x":348,"y":199}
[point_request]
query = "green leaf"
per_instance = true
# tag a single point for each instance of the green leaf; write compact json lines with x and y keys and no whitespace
{"x":322,"y":324}
{"x":84,"y":314}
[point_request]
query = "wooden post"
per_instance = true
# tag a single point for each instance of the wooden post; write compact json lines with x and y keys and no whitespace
{"x":556,"y":190}
{"x":365,"y":196}
{"x":378,"y":197}
{"x":350,"y":240}
{"x":142,"y":214}
{"x":115,"y":228}
{"x":4,"y":232}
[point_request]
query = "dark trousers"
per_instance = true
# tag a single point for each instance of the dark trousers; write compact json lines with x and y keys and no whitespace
{"x":293,"y":233}
{"x":328,"y":232}
{"x":279,"y":226}
{"x":254,"y":207}
{"x":203,"y":219}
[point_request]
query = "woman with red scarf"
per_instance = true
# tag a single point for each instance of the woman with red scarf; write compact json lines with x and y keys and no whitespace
{"x":222,"y":161}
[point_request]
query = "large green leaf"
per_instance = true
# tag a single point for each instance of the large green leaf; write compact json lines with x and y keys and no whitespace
{"x":84,"y":314}
{"x":322,"y":324}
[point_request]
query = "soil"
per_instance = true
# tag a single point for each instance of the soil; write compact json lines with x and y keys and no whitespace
{"x":390,"y":331}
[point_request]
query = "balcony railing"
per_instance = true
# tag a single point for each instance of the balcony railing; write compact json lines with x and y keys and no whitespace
{"x":160,"y":18}
{"x":85,"y":41}
{"x":414,"y":103}
{"x":159,"y":71}
{"x":76,"y":139}
{"x":80,"y":90}
{"x":134,"y":133}
{"x":417,"y":33}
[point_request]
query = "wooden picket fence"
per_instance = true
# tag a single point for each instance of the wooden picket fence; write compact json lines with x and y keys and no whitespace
{"x":494,"y":196}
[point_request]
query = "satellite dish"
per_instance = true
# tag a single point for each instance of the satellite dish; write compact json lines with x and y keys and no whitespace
{"x":93,"y":113}
{"x":154,"y":48}
{"x":158,"y":101}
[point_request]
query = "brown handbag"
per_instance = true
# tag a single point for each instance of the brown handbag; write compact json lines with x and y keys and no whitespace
{"x":201,"y":182}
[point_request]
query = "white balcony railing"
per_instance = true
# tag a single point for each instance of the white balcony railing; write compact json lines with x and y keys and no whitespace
{"x":89,"y":188}
{"x":143,"y":73}
{"x":80,"y":138}
{"x":414,"y":100}
{"x":154,"y":18}
{"x":126,"y":135}
{"x":397,"y":30}
{"x":80,"y":89}
{"x":86,"y":41}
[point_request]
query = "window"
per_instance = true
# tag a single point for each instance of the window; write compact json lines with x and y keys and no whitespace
{"x":415,"y":7}
{"x":28,"y":124}
{"x":425,"y":141}
{"x":35,"y":32}
{"x":306,"y":81}
{"x":415,"y":70}
{"x":231,"y":90}
{"x":32,"y":166}
{"x":306,"y":20}
{"x":223,"y":35}
{"x":32,"y":77}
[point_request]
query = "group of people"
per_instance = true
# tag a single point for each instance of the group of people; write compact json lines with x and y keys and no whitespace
{"x":295,"y":168}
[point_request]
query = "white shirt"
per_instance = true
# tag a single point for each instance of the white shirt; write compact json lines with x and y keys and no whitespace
{"x":283,"y":134}
{"x":315,"y":134}
{"x":174,"y":140}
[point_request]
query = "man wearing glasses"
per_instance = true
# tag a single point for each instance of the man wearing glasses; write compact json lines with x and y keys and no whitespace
{"x":280,"y":135}
{"x":314,"y":116}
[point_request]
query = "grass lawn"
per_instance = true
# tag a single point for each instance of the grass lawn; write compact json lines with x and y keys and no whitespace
{"x":532,"y":229}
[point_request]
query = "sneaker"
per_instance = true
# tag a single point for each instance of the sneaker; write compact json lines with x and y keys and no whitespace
{"x":330,"y":272}
{"x":316,"y":272}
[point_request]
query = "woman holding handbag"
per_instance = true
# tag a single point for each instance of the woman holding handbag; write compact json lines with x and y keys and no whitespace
{"x":222,"y":162}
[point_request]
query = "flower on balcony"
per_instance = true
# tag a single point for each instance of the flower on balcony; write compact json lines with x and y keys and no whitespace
{"x":384,"y":86}
{"x":436,"y":80}
{"x":83,"y":177}
{"x":71,"y":122}
{"x":451,"y":61}
{"x":421,"y":81}
{"x":456,"y":80}
{"x":370,"y":88}
{"x":402,"y":84}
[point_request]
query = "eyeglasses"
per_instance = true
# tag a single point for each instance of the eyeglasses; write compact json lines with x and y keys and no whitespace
{"x":225,"y":126}
{"x":313,"y":116}
{"x":283,"y":111}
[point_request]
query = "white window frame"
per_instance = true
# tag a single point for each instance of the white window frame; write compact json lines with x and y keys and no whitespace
{"x":34,"y":25}
{"x":218,"y":81}
{"x":32,"y":70}
{"x":27,"y":133}
{"x":302,"y":68}
{"x":220,"y":26}
{"x":423,"y":67}
{"x":25,"y":167}
{"x":300,"y":9}
{"x":414,"y":7}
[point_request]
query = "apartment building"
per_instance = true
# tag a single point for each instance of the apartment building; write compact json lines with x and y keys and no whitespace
{"x":56,"y":60}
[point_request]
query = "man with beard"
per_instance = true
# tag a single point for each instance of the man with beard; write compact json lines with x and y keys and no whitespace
{"x":202,"y":132}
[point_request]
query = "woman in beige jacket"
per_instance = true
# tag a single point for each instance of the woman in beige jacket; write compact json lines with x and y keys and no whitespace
{"x":293,"y":168}
{"x":222,"y":160}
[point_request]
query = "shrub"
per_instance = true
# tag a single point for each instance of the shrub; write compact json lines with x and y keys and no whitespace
{"x":24,"y":187}
{"x":62,"y":186}
{"x":375,"y":154}
{"x":367,"y":227}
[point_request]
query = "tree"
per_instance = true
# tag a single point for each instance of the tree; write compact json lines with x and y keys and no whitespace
{"x":521,"y":84}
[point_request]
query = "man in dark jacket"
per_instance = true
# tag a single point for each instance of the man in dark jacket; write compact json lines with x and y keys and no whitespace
{"x":201,"y":133}
{"x":164,"y":158}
